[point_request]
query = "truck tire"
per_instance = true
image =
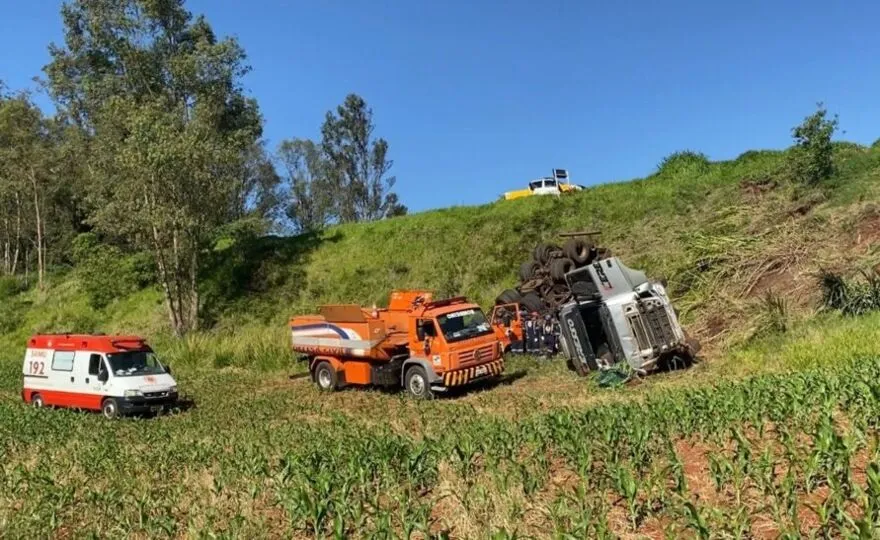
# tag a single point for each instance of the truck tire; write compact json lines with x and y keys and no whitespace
{"x":580,"y":251}
{"x":544,"y":252}
{"x":326,"y":377}
{"x":560,"y":267}
{"x":527,"y":270}
{"x":416,"y":383}
{"x":110,"y":409}
{"x":510,"y":296}
{"x":532,"y":302}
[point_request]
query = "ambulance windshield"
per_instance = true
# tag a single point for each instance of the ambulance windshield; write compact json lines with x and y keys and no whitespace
{"x":131,"y":363}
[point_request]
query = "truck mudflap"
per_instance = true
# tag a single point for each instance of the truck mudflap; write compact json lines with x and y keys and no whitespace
{"x":461,"y":377}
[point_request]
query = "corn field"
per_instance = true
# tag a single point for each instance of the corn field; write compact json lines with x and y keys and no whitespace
{"x":772,"y":455}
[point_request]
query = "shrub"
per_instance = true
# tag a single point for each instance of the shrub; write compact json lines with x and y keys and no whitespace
{"x":848,"y":296}
{"x":811,"y":161}
{"x":106,"y":273}
{"x":9,"y":286}
{"x":684,"y":162}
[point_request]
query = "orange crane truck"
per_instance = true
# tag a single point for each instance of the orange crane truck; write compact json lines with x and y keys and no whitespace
{"x":418,"y":343}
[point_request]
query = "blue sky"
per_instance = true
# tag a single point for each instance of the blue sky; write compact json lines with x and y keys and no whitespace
{"x":476,"y":97}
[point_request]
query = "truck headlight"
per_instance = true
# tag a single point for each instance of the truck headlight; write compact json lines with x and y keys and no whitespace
{"x":173,"y":389}
{"x":133,"y":393}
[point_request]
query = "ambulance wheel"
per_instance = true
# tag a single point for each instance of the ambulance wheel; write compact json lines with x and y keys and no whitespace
{"x":37,"y":401}
{"x":110,"y":409}
{"x":417,"y":385}
{"x":325,"y":377}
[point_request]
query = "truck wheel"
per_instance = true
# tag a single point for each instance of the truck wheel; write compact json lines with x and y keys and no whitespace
{"x":510,"y":296}
{"x":417,"y":385}
{"x":527,"y":270}
{"x":544,"y":252}
{"x":37,"y":401}
{"x":532,"y":302}
{"x":560,"y":267}
{"x":579,"y":251}
{"x":326,"y":377}
{"x":110,"y":409}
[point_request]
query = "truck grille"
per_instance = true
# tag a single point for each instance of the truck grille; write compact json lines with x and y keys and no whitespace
{"x":154,"y":395}
{"x":478,"y":355}
{"x":652,"y":327}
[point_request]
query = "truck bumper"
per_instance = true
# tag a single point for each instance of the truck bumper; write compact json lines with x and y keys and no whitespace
{"x":461,"y":377}
{"x":137,"y":405}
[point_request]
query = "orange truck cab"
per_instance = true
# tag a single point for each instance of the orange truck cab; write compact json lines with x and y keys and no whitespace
{"x":418,"y":343}
{"x":112,"y":374}
{"x":507,"y":324}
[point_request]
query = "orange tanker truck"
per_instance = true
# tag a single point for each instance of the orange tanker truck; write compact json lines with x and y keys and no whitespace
{"x":418,"y":343}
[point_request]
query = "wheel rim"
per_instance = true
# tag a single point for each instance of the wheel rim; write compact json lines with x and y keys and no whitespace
{"x":417,"y":384}
{"x":38,"y":402}
{"x":324,"y":378}
{"x":109,"y":409}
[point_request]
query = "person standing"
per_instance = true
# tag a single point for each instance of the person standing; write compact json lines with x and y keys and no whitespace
{"x":549,"y":333}
{"x":529,"y":337}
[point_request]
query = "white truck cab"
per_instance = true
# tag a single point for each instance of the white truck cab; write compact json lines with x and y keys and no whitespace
{"x":113,"y":374}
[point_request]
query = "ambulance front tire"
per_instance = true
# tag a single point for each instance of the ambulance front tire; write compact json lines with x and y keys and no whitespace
{"x":326,"y":377}
{"x":110,"y":409}
{"x":416,"y":381}
{"x":37,"y":401}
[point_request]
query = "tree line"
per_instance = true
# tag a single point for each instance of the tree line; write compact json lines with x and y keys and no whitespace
{"x":154,"y":147}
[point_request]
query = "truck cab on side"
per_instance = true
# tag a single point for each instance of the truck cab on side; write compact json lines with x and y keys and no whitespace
{"x":422,"y":345}
{"x":618,"y":315}
{"x":113,"y":374}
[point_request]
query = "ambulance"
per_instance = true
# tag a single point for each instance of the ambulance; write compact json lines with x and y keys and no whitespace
{"x":116,"y":375}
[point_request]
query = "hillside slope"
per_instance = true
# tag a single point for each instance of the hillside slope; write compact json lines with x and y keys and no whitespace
{"x":725,"y":235}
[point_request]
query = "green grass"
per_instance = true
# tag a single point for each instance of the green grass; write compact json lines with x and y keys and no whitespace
{"x":774,"y":433}
{"x":792,"y":444}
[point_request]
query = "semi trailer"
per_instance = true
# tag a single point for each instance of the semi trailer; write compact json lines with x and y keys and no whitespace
{"x":423,"y":345}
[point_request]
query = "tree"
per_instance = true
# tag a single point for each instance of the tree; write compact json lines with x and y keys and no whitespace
{"x":812,"y":159}
{"x":357,"y":164}
{"x":171,"y":137}
{"x":312,"y":199}
{"x":27,"y":161}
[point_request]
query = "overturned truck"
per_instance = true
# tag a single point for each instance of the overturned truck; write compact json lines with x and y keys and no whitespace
{"x":607,"y":313}
{"x":617,"y":314}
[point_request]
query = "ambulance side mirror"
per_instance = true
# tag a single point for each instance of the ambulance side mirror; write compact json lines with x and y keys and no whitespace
{"x":167,"y":369}
{"x":103,"y":376}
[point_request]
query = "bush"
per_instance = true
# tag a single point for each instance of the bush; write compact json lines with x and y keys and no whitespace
{"x":850,"y":297}
{"x":811,"y":161}
{"x":684,"y":162}
{"x":106,"y":273}
{"x":9,"y":287}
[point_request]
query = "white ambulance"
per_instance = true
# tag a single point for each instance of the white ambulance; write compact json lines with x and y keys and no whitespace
{"x":113,"y":374}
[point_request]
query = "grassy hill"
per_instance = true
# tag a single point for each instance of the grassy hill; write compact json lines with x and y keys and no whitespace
{"x":774,"y":434}
{"x":736,"y":241}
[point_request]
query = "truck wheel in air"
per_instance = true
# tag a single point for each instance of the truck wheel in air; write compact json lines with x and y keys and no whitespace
{"x":580,"y":251}
{"x":560,"y":267}
{"x":416,"y":381}
{"x":510,"y":296}
{"x":326,"y":377}
{"x":110,"y":409}
{"x":527,"y":270}
{"x":532,"y":302}
{"x":37,"y":401}
{"x":544,"y":252}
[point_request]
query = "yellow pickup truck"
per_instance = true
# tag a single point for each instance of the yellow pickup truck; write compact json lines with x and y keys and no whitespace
{"x":549,"y":185}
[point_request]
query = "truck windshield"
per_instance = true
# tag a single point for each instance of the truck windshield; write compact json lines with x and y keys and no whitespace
{"x":463,"y":324}
{"x":130,"y":363}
